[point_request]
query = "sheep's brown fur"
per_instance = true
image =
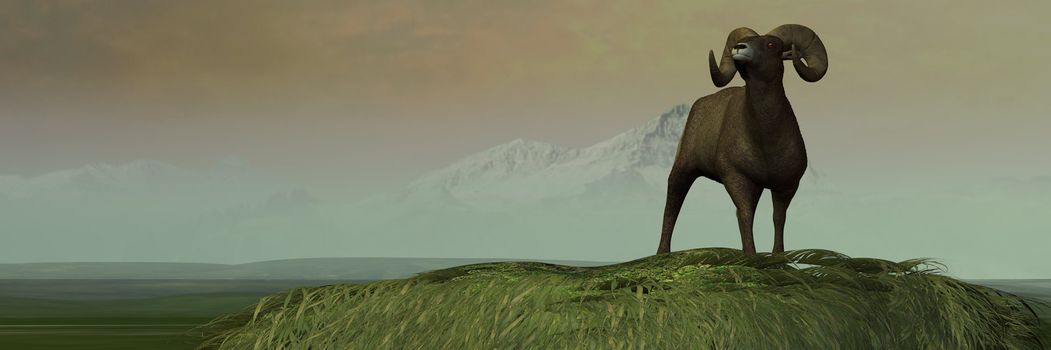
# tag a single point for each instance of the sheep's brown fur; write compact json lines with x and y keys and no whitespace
{"x":747,"y":138}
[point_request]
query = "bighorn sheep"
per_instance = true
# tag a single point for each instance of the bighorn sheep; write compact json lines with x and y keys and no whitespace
{"x":747,"y":138}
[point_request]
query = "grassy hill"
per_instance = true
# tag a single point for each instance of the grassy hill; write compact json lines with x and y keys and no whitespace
{"x":712,"y":297}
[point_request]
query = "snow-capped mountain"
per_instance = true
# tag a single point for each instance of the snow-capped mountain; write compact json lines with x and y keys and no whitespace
{"x":524,"y":170}
{"x":95,"y":177}
{"x":634,"y":163}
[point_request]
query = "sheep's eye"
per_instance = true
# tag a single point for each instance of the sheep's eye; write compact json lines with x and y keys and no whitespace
{"x":771,"y":45}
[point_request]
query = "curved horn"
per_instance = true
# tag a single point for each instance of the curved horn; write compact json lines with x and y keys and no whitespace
{"x":810,"y":48}
{"x":725,"y":70}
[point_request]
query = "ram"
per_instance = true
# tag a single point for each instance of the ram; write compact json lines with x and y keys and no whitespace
{"x":747,"y":138}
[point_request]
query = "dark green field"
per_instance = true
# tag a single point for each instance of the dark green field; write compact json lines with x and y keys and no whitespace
{"x":160,"y":314}
{"x":98,"y":333}
{"x":121,"y":314}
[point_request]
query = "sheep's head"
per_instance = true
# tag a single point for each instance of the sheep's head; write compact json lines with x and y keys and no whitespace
{"x":760,"y":56}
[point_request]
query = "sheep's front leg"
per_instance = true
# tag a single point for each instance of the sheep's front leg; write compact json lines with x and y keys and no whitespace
{"x":679,"y":183}
{"x":745,"y":195}
{"x":781,"y":200}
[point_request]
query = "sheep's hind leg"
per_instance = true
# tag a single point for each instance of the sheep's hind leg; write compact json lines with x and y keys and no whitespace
{"x":679,"y":184}
{"x":781,"y":199}
{"x":745,"y":195}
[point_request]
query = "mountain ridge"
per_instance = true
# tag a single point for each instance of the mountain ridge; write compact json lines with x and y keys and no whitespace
{"x":528,"y":170}
{"x":139,"y":174}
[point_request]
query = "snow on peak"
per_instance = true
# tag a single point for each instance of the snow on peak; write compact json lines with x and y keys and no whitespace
{"x":651,"y":144}
{"x":525,"y":169}
{"x":495,"y":164}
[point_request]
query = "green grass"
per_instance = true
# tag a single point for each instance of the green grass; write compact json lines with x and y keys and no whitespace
{"x":110,"y":333}
{"x":703,"y":298}
{"x":195,"y":305}
{"x":121,"y":314}
{"x":150,"y":323}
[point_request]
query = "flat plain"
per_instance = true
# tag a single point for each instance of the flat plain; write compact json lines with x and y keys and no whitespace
{"x":122,"y":314}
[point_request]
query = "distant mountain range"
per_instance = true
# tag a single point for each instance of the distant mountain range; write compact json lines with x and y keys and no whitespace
{"x":96,"y":177}
{"x":147,"y":176}
{"x":523,"y":170}
{"x":522,"y":199}
{"x":140,"y":210}
{"x":231,"y":189}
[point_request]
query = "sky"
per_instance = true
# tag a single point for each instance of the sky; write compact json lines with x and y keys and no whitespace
{"x":353,"y":96}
